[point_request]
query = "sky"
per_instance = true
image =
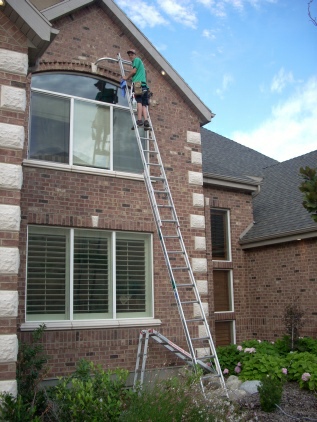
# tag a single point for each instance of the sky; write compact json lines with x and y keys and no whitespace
{"x":252,"y":62}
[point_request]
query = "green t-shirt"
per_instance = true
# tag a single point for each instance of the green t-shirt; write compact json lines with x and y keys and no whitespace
{"x":140,"y":75}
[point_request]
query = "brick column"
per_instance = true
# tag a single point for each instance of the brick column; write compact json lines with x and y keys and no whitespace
{"x":13,"y":67}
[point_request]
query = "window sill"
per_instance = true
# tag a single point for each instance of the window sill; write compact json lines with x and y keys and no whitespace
{"x":80,"y":169}
{"x":84,"y":325}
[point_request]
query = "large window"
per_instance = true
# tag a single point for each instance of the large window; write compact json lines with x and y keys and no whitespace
{"x":223,"y":292}
{"x":81,"y":121}
{"x":87,"y":274}
{"x":220,"y":240}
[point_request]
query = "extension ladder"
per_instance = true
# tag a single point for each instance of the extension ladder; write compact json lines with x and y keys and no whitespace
{"x":202,"y":352}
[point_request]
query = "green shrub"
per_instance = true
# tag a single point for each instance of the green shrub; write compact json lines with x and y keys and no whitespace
{"x":301,"y":363}
{"x":228,"y":357}
{"x":90,"y":394}
{"x":270,"y":391}
{"x":257,"y":366}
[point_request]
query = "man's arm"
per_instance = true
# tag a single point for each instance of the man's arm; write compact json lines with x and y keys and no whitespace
{"x":133,"y":72}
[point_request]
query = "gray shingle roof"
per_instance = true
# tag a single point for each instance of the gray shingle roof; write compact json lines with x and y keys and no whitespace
{"x":224,"y":157}
{"x":277,"y":209}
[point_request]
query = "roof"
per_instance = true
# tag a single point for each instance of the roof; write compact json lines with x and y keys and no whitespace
{"x":278,"y":212}
{"x":139,"y":41}
{"x":278,"y":209}
{"x":38,"y":30}
{"x":224,"y":159}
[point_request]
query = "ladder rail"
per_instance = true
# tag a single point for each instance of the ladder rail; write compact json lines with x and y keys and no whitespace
{"x":168,"y":253}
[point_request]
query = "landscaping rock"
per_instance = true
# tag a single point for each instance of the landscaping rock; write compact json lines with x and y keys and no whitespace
{"x":251,"y":387}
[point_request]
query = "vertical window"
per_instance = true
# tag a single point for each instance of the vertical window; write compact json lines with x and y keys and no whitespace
{"x":87,"y":274}
{"x":220,"y":235}
{"x":223,"y":296}
{"x":224,"y":331}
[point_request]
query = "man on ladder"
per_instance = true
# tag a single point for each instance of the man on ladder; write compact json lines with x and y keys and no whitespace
{"x":140,"y":88}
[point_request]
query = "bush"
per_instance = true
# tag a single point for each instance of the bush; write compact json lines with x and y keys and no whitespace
{"x":90,"y":394}
{"x":270,"y":391}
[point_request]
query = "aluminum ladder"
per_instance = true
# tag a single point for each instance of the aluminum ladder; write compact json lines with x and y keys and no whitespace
{"x":192,"y":314}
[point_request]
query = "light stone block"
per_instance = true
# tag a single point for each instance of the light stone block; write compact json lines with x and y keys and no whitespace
{"x":202,"y":351}
{"x":13,"y":62}
{"x":11,"y":136}
{"x":10,"y":216}
{"x":195,"y":178}
{"x":197,"y":221}
{"x":8,"y":348}
{"x":197,"y":312}
{"x":12,"y":98}
{"x":9,"y":260}
{"x":196,"y":157}
{"x":202,"y":286}
{"x":8,"y":303}
{"x":202,"y":332}
{"x":199,"y":265}
{"x":200,"y":243}
{"x":10,"y":176}
{"x":198,"y":200}
{"x":194,"y":137}
{"x":9,"y":386}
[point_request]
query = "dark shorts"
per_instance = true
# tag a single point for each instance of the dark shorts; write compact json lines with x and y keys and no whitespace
{"x":144,"y":98}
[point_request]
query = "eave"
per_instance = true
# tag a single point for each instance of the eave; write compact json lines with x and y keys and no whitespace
{"x":32,"y":24}
{"x":142,"y":44}
{"x":234,"y":183}
{"x":291,"y":236}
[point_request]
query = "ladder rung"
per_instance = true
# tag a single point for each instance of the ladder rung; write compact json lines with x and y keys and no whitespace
{"x":179,"y":268}
{"x":164,"y":206}
{"x":185,"y":285}
{"x":200,"y":338}
{"x":153,"y":164}
{"x":162,"y":191}
{"x":171,"y":237}
{"x":169,"y":221}
{"x":206,"y":357}
{"x":188,"y":302}
{"x":175,"y":252}
{"x":151,"y":151}
{"x":157,"y":178}
{"x":194,"y":319}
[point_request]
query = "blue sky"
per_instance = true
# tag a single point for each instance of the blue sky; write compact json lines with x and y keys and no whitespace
{"x":252,"y":62}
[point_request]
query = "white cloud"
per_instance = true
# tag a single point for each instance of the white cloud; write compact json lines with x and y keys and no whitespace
{"x":209,"y":33}
{"x":227,"y":80}
{"x":291,"y":129}
{"x":141,"y":13}
{"x":219,"y":7}
{"x":280,"y":80}
{"x":183,"y":14}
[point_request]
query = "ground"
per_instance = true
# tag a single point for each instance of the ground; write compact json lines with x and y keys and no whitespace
{"x":298,"y":405}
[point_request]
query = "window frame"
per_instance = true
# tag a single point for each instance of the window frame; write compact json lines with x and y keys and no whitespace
{"x":113,"y":320}
{"x":230,"y":288}
{"x":70,"y":165}
{"x":226,"y":212}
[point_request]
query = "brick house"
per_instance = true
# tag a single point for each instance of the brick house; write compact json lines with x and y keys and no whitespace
{"x":261,"y":242}
{"x":74,"y":207}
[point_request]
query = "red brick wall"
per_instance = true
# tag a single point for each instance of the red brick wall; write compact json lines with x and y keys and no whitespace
{"x":62,"y":198}
{"x":277,"y":276}
{"x":265,"y":279}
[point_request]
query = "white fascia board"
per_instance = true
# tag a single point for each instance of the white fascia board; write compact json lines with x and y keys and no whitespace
{"x":230,"y":184}
{"x":282,"y":239}
{"x":33,"y":18}
{"x":157,"y":59}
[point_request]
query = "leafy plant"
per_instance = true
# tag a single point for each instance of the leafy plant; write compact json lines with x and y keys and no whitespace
{"x":91,"y":394}
{"x":260,"y":365}
{"x":309,"y":188}
{"x":228,"y":357}
{"x":270,"y":391}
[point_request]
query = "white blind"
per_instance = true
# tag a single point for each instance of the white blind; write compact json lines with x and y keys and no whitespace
{"x":46,"y":279}
{"x":131,"y":275}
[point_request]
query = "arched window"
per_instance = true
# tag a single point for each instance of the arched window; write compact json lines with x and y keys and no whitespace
{"x":79,"y":120}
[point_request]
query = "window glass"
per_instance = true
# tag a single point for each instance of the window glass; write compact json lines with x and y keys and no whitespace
{"x":74,"y":274}
{"x":66,"y":126}
{"x":219,"y":235}
{"x":91,"y":135}
{"x":126,"y":154}
{"x":222,"y":291}
{"x":49,"y":128}
{"x":79,"y":86}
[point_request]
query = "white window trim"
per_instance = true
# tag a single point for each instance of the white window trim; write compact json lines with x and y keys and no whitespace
{"x":229,"y":235}
{"x":231,"y":290}
{"x":97,"y":323}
